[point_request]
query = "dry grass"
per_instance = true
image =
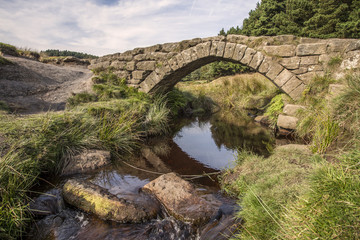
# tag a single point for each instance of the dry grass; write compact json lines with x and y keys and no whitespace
{"x":251,"y":90}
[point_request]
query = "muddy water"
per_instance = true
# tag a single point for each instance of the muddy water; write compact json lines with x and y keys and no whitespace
{"x":197,"y":146}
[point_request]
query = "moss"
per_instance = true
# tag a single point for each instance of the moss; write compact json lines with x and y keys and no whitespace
{"x":275,"y":108}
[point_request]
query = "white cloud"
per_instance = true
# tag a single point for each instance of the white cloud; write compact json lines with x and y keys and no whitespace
{"x":90,"y":27}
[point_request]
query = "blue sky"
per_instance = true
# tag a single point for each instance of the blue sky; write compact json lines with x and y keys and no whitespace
{"x":103,"y":27}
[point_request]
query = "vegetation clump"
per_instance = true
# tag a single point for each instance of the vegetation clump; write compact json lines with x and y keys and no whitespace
{"x":66,"y":53}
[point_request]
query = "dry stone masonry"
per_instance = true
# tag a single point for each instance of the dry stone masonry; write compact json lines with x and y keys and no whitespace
{"x":289,"y":62}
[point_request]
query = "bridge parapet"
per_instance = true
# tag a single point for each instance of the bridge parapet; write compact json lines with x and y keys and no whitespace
{"x":289,"y":62}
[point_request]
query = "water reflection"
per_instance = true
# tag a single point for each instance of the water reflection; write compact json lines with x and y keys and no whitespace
{"x":196,"y":140}
{"x":213,"y":141}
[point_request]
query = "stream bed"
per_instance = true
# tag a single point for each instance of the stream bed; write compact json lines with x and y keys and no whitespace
{"x":195,"y":147}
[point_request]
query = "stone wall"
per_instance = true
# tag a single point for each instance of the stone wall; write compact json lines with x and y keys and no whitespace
{"x":289,"y":62}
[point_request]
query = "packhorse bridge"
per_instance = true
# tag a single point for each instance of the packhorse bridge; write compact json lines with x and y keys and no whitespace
{"x":289,"y":62}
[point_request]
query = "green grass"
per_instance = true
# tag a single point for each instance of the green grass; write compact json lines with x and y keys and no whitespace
{"x":331,"y":209}
{"x":264,"y":187}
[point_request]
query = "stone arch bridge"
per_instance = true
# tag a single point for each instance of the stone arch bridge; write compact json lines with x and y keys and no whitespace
{"x":289,"y":62}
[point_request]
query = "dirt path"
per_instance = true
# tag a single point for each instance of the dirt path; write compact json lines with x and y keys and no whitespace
{"x":29,"y":86}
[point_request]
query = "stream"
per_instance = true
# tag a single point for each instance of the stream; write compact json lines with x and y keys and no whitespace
{"x":195,"y":147}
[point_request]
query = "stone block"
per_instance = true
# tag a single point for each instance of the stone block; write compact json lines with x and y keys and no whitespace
{"x":290,"y":63}
{"x":249,"y":53}
{"x":173,"y":63}
{"x":290,"y":85}
{"x":122,"y":74}
{"x":315,"y":68}
{"x":257,"y":60}
{"x":151,"y":49}
{"x":237,"y":38}
{"x":138,"y":51}
{"x":287,"y":122}
{"x":297,"y":92}
{"x":265,"y":65}
{"x":163,"y":71}
{"x":300,"y":70}
{"x":127,"y":56}
{"x":239,"y":52}
{"x":351,"y":61}
{"x":307,"y":77}
{"x":309,"y":60}
{"x":305,"y":40}
{"x":157,"y":56}
{"x":292,"y":109}
{"x":203,"y":49}
{"x":337,"y":45}
{"x":138,"y":75}
{"x":120,"y":65}
{"x":229,"y":50}
{"x":180,"y":60}
{"x":281,"y":51}
{"x":217,"y":49}
{"x":130,"y":66}
{"x":283,"y":77}
{"x":189,"y":55}
{"x":274,"y":70}
{"x":141,"y":57}
{"x":353,"y":46}
{"x":311,"y":49}
{"x":146,"y":65}
{"x":170,"y":47}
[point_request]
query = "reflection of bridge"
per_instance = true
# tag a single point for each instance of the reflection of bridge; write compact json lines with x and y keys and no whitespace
{"x":288,"y":61}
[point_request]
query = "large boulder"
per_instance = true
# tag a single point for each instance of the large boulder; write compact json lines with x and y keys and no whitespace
{"x":92,"y":198}
{"x":85,"y":161}
{"x":182,"y":200}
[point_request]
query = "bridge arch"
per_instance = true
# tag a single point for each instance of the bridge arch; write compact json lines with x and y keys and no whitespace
{"x":166,"y":76}
{"x":289,"y":62}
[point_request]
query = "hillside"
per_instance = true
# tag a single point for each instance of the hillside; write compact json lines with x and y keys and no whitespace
{"x":30,"y":86}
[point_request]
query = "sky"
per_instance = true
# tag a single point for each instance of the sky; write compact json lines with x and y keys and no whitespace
{"x":103,"y":27}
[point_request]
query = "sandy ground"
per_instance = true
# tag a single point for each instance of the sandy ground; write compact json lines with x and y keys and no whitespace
{"x":29,"y":86}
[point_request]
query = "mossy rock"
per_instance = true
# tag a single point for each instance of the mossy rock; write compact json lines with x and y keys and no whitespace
{"x":94,"y":199}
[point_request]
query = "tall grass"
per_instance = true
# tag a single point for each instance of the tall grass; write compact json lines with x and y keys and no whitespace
{"x":264,"y":187}
{"x":250,"y":91}
{"x":331,"y":210}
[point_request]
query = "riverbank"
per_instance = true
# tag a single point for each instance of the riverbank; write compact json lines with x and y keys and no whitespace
{"x":303,"y":192}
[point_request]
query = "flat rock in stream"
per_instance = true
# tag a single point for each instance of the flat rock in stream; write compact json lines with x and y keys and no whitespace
{"x":92,"y":198}
{"x":182,"y":200}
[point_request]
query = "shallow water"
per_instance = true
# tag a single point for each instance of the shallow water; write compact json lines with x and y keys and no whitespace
{"x":199,"y":146}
